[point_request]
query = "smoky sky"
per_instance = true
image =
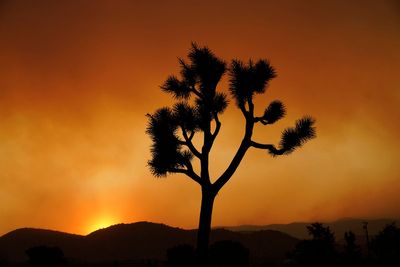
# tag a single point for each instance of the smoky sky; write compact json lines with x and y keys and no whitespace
{"x":78,"y":77}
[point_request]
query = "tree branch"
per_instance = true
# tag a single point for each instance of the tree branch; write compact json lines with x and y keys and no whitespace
{"x":243,"y":109}
{"x":260,"y":119}
{"x":196,"y":92}
{"x":251,"y":108}
{"x":244,"y":145}
{"x":217,"y":127}
{"x":271,"y":148}
{"x":188,"y":142}
{"x":191,"y":135}
{"x":224,"y":178}
{"x":189,"y":172}
{"x":205,"y":152}
{"x":192,"y":174}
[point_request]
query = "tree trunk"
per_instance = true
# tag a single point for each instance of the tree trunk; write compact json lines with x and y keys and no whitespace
{"x":203,"y":234}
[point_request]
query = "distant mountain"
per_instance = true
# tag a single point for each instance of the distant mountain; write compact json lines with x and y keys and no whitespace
{"x":145,"y":240}
{"x":339,"y":227}
{"x":136,"y":241}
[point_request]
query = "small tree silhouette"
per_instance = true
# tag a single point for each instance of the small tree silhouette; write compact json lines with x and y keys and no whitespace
{"x":199,"y":105}
{"x":351,"y":255}
{"x":321,"y":233}
{"x":386,"y":246}
{"x":318,"y":251}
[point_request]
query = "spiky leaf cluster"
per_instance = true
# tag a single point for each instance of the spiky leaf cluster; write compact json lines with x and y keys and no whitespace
{"x":249,"y":79}
{"x":166,"y":150}
{"x":199,"y":77}
{"x":294,"y":137}
{"x":179,"y":89}
{"x":203,"y":72}
{"x":186,"y":116}
{"x":206,"y":70}
{"x":274,"y":112}
{"x":200,"y":103}
{"x":206,"y":111}
{"x":220,"y":103}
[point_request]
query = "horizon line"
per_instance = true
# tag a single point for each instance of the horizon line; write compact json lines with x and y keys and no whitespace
{"x":213,"y":227}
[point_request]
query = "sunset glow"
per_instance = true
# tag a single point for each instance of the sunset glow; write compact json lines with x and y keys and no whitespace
{"x":100,"y":223}
{"x":78,"y":77}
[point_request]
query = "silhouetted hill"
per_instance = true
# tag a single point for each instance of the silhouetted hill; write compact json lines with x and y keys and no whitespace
{"x":14,"y":243}
{"x":299,"y":230}
{"x":142,"y":240}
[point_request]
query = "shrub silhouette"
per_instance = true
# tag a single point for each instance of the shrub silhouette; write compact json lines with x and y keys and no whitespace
{"x":43,"y":256}
{"x":386,"y":246}
{"x":319,"y":251}
{"x":350,"y":239}
{"x":228,"y":254}
{"x":173,"y":130}
{"x":181,"y":256}
{"x":351,"y":255}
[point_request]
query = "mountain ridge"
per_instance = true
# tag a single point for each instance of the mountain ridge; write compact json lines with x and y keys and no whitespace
{"x":240,"y":228}
{"x":339,"y":227}
{"x":136,"y":241}
{"x":147,"y":240}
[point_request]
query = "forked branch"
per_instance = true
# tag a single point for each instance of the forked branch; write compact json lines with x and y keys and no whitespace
{"x":189,"y":172}
{"x":217,"y":127}
{"x":244,"y":145}
{"x":188,"y":142}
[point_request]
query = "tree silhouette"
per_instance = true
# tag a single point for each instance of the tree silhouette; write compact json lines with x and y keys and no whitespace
{"x":197,"y":111}
{"x":318,"y":251}
{"x":351,"y":254}
{"x":321,"y":233}
{"x":386,"y":246}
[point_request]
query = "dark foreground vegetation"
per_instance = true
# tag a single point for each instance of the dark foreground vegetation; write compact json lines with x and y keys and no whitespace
{"x":321,"y":249}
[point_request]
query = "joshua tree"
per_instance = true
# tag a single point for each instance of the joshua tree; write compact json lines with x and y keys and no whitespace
{"x":197,"y":112}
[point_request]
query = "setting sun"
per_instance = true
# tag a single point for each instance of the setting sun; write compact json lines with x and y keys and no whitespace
{"x":100,"y":223}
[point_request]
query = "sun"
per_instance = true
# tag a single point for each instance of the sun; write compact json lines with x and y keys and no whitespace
{"x":100,"y":223}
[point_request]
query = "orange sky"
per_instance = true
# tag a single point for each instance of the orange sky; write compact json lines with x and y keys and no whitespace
{"x":78,"y":77}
